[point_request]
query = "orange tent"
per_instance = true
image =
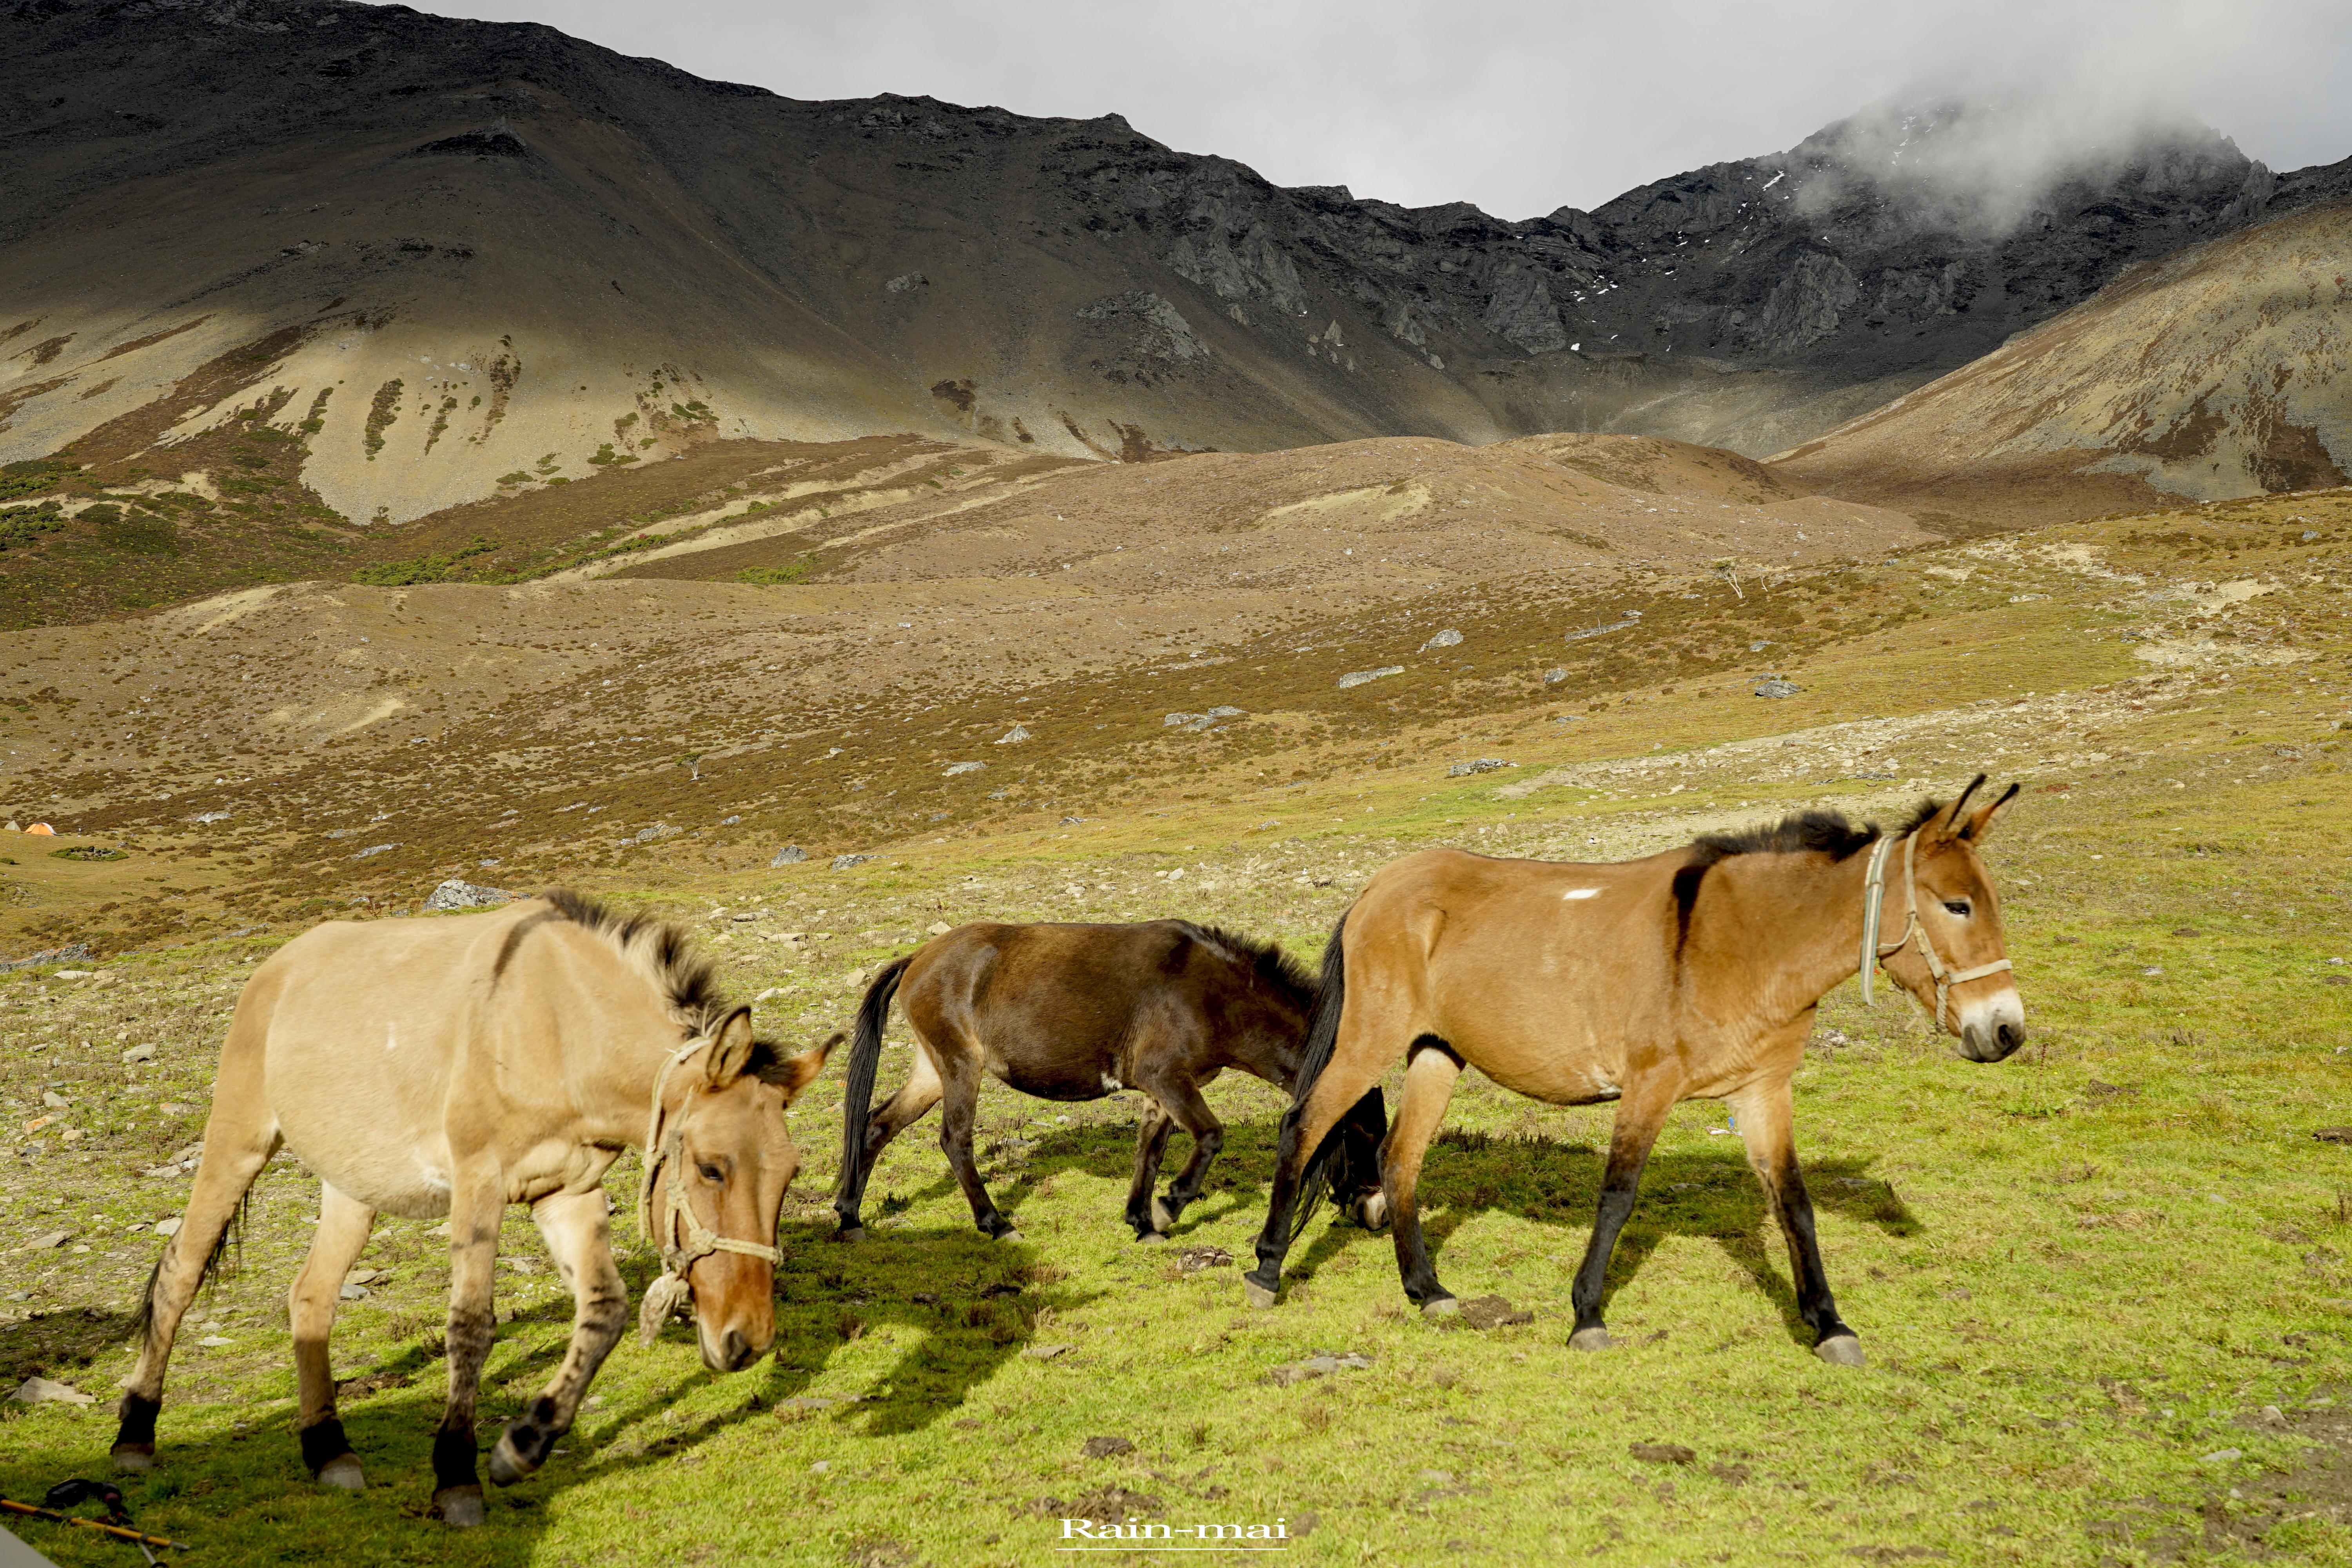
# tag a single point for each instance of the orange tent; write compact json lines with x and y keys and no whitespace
{"x":43,"y":828}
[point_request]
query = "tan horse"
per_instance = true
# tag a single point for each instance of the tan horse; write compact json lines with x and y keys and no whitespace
{"x":453,"y":1066}
{"x":1694,"y":973}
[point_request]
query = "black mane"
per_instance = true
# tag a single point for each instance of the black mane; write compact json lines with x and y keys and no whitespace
{"x":659,"y":947}
{"x":1801,"y":832}
{"x":1266,"y":959}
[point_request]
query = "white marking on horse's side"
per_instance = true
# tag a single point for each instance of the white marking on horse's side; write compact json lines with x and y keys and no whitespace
{"x":436,"y":1181}
{"x":392,"y":1036}
{"x":1580,"y":893}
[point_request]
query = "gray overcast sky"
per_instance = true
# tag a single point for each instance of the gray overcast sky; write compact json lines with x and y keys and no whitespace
{"x":1520,"y":107}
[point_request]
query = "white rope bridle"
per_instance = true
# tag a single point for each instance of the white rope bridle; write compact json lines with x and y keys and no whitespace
{"x":666,"y":1294}
{"x":1914,"y":930}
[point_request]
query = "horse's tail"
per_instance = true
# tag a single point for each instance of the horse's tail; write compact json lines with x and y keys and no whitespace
{"x":857,"y":1089}
{"x":230,"y":1245}
{"x":1322,"y":1038}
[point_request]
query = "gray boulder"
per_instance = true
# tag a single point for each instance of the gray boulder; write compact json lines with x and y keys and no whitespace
{"x":1361,"y":677}
{"x":1773,"y":686}
{"x":457,"y":893}
{"x":789,"y":855}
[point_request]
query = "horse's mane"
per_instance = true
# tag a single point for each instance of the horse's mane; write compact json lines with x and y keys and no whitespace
{"x":656,"y":949}
{"x":1267,"y":961}
{"x":1823,"y":832}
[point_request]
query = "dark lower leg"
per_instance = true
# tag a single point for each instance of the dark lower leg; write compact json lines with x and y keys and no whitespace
{"x":1814,"y":1302}
{"x":957,"y":1112}
{"x":1150,"y":1143}
{"x":579,"y":1238}
{"x":1429,"y":1079}
{"x":1303,"y":1128}
{"x":473,"y":1257}
{"x":1184,"y":1101}
{"x":1640,"y":1114}
{"x":311,"y":1304}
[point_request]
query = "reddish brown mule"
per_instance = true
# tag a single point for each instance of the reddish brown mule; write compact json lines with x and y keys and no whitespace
{"x":453,"y":1066}
{"x":1691,"y":974}
{"x":1077,"y":1012}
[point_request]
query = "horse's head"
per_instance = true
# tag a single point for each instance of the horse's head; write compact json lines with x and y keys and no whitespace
{"x":726,"y":1181}
{"x":1958,"y":919}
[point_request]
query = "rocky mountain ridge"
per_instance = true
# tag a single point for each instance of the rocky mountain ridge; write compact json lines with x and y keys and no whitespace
{"x":466,"y":251}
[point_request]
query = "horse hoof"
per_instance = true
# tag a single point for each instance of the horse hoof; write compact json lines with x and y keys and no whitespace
{"x":1161,"y":1217}
{"x":1373,"y":1213}
{"x":1594,"y":1339}
{"x":852,"y":1233}
{"x":1257,"y":1295}
{"x":134,"y":1458}
{"x":1150,"y":1239}
{"x":1008,"y":1234}
{"x":507,"y":1464}
{"x":1441,"y":1307}
{"x":342,"y":1472}
{"x":1840,"y":1349}
{"x":461,"y":1506}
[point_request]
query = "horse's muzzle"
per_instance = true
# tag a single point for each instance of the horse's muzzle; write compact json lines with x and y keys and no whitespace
{"x":733,"y":1351}
{"x":1991,"y":1038}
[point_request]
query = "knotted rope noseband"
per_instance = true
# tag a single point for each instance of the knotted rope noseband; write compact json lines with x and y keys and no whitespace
{"x":1914,"y":930}
{"x":666,"y":1294}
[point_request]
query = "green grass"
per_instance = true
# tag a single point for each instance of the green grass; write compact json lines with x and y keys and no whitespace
{"x":2078,"y":1273}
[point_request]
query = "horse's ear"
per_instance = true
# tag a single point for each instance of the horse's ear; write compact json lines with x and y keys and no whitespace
{"x":793,"y":1074}
{"x":732,"y":1046}
{"x":1981,"y":823}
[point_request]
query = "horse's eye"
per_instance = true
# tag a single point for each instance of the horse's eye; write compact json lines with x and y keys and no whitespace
{"x":711,"y":1172}
{"x":1957,"y":906}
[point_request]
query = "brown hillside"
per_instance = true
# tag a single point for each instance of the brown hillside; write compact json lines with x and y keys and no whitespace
{"x":2223,"y":372}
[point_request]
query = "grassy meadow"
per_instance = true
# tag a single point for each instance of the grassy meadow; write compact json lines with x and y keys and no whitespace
{"x":2102,"y":1285}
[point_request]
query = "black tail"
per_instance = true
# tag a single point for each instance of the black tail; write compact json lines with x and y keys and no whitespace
{"x":1322,"y":1037}
{"x":232,"y":1237}
{"x":858,"y":1090}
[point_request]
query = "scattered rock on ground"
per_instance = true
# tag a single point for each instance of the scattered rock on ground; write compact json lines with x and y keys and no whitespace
{"x":41,"y":1391}
{"x":789,"y":855}
{"x":1615,"y":625}
{"x":1449,"y":638}
{"x":1193,"y":1260}
{"x":965,"y":768}
{"x":1555,"y":675}
{"x":1773,"y":686}
{"x":74,"y":952}
{"x":1360,"y":677}
{"x":938,"y":928}
{"x":1012,"y":736}
{"x":1483,"y":765}
{"x":844,"y":862}
{"x":1045,"y":1353}
{"x":140,"y":1053}
{"x":1322,"y":1363}
{"x":458,"y":893}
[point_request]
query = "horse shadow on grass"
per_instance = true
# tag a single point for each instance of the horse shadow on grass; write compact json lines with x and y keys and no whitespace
{"x":1707,"y":1194}
{"x":973,"y":1304}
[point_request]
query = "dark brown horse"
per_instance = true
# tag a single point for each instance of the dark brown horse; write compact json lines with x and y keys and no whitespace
{"x":1694,"y":973}
{"x":1077,"y":1012}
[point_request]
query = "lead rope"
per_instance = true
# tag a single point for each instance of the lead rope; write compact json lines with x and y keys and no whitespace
{"x":672,"y":1291}
{"x":1914,"y":930}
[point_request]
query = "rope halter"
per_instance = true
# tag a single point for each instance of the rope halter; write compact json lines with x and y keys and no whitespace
{"x":1914,"y":930}
{"x":673,"y":1289}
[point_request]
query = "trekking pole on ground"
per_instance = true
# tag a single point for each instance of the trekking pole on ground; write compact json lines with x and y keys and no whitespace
{"x":64,"y":1494}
